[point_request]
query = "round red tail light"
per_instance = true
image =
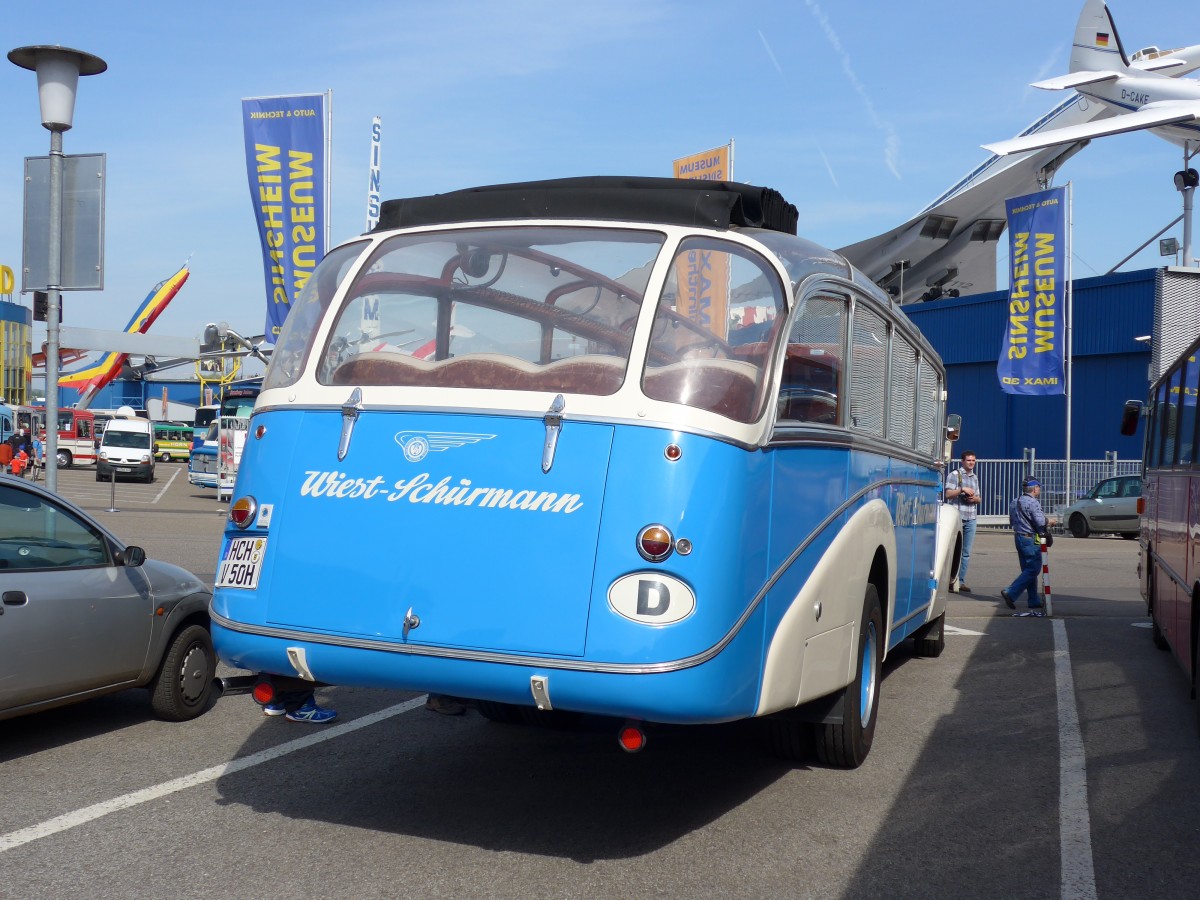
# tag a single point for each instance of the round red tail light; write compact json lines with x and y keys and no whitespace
{"x":631,"y":738}
{"x":654,"y":542}
{"x":264,"y":692}
{"x":241,"y":511}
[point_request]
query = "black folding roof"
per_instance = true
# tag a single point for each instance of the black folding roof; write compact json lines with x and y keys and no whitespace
{"x":671,"y":201}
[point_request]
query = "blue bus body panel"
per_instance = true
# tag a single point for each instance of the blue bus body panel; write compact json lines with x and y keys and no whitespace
{"x":510,"y":571}
{"x":472,"y":537}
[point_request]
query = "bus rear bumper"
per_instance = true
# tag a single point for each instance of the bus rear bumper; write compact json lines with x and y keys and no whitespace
{"x":723,"y":688}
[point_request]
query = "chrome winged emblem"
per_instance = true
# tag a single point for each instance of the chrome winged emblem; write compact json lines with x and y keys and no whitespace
{"x":419,"y":444}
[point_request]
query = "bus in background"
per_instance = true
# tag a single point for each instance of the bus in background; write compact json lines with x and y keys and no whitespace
{"x":647,"y":455}
{"x":172,"y":440}
{"x":1170,"y":507}
{"x":236,"y":400}
{"x":206,"y":466}
{"x":76,"y":432}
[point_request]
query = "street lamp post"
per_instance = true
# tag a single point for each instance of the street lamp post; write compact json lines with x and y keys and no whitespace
{"x":58,"y":70}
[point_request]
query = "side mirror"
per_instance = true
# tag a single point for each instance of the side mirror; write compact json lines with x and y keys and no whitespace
{"x":953,"y":427}
{"x":133,"y":556}
{"x":1130,"y":416}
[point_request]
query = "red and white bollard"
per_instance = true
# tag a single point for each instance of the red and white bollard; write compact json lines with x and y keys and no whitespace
{"x":1048,"y":604}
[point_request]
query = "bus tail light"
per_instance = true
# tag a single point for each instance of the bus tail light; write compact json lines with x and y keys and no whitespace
{"x":655,"y":542}
{"x":241,"y":512}
{"x":264,"y":692}
{"x":631,"y":737}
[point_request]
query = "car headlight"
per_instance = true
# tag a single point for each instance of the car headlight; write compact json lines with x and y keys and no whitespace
{"x":104,"y":455}
{"x":145,"y":457}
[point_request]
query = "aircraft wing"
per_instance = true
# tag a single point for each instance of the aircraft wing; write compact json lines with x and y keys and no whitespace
{"x":66,"y":355}
{"x":951,"y":244}
{"x":1148,"y":117}
{"x":1075,"y":79}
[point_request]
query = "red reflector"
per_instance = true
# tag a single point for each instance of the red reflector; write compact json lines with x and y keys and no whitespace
{"x":631,"y":738}
{"x":264,"y":692}
{"x":1141,"y":507}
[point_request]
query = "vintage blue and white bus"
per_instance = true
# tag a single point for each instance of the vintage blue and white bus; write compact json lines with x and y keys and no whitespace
{"x":626,"y":447}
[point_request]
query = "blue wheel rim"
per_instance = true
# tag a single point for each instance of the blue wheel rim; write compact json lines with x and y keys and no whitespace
{"x":866,"y":698}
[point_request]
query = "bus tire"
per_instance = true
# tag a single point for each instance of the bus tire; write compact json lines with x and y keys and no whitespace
{"x":847,"y":744}
{"x":930,"y":639}
{"x":62,"y":459}
{"x":1156,"y":635}
{"x":505,"y":713}
{"x":788,"y":738}
{"x":165,"y":456}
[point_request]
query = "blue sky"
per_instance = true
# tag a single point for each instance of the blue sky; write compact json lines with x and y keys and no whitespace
{"x":860,"y":113}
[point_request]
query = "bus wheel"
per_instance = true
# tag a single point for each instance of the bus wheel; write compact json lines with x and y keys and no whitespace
{"x":846,"y":745}
{"x":930,"y":639}
{"x":165,"y":456}
{"x":63,"y":459}
{"x":1079,"y":526}
{"x":1160,"y":640}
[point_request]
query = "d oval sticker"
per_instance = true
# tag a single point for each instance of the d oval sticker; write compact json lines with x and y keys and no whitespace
{"x":651,"y":598}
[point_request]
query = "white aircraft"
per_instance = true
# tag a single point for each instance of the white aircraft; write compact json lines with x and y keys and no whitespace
{"x":1141,"y":96}
{"x":949,"y":247}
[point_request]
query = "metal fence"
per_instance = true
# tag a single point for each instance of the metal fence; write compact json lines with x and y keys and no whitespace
{"x":1000,"y":481}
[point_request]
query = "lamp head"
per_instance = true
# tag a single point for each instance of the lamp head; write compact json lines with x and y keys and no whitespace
{"x":58,"y":70}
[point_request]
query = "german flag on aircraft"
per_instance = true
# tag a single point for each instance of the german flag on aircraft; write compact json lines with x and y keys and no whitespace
{"x":90,"y":380}
{"x":1101,"y":39}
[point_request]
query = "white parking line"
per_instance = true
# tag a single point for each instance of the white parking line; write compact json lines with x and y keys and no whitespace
{"x":126,"y":801}
{"x":170,"y":481}
{"x":1074,"y":820}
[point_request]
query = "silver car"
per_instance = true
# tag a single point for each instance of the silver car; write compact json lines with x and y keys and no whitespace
{"x":1111,"y":506}
{"x":82,"y":614}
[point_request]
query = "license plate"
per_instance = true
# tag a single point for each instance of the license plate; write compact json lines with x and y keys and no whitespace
{"x":241,"y":563}
{"x":124,"y":468}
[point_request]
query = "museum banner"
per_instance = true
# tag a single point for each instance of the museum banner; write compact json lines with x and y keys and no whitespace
{"x":287,"y":167}
{"x":1032,"y":358}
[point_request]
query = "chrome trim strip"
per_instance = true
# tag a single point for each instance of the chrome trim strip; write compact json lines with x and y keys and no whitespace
{"x":911,"y":615}
{"x":491,"y":656}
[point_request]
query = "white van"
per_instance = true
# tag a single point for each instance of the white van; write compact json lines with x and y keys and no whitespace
{"x":126,"y":449}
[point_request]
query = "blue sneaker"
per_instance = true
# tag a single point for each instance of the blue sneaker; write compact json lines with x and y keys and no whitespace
{"x":310,"y":712}
{"x":274,"y":709}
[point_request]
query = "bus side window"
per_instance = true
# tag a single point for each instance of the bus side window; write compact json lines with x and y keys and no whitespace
{"x":808,"y":390}
{"x":868,"y":371}
{"x":1188,"y":396}
{"x":902,"y":391}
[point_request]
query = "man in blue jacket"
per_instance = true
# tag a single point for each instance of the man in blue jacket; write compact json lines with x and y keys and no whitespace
{"x":1028,"y":523}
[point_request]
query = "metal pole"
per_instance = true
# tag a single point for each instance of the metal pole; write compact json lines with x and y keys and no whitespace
{"x":1068,"y":499}
{"x":112,"y":491}
{"x":54,"y":277}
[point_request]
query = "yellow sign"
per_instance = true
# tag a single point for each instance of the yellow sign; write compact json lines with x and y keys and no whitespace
{"x":7,"y":280}
{"x":703,"y":275}
{"x":711,"y":165}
